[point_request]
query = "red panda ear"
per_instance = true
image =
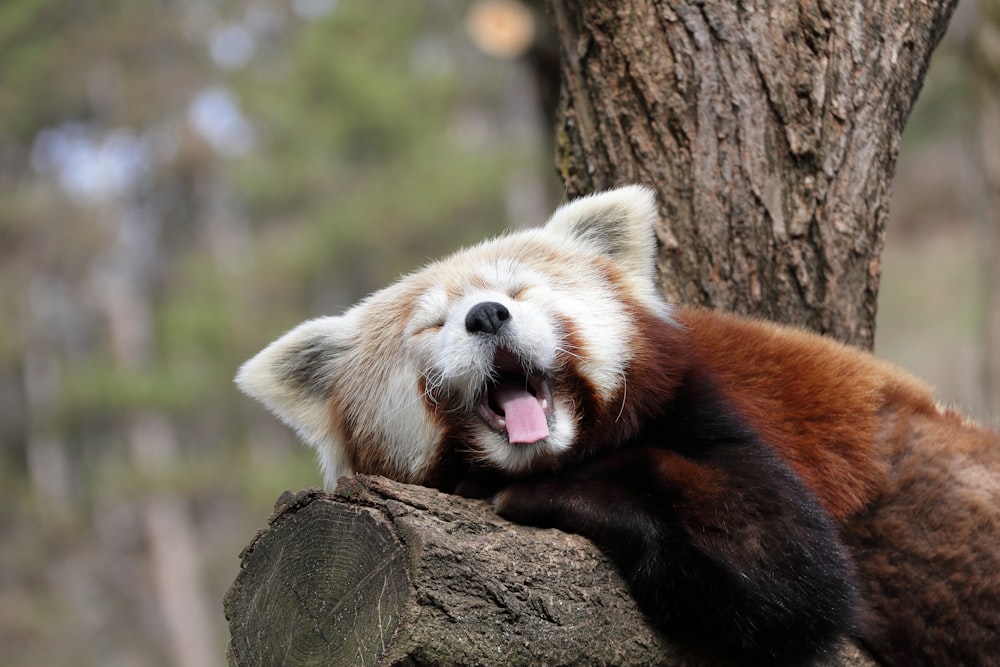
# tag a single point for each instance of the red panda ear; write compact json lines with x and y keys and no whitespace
{"x":294,"y":375}
{"x":617,"y":223}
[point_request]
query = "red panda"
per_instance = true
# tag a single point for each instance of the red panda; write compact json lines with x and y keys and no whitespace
{"x":763,"y":490}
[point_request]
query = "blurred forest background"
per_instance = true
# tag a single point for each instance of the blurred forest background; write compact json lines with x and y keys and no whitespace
{"x":180,"y":182}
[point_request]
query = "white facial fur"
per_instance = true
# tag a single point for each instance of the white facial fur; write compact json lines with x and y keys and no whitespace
{"x":354,"y":386}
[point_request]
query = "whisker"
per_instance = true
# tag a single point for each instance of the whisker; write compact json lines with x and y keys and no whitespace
{"x":621,"y":410}
{"x":568,"y":353}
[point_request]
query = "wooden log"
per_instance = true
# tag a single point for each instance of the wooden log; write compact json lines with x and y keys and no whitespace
{"x":382,"y":573}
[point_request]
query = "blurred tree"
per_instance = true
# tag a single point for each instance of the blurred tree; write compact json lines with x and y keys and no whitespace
{"x":985,"y":58}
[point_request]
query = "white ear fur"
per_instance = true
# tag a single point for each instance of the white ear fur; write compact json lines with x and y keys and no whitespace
{"x":617,"y":223}
{"x":293,"y":376}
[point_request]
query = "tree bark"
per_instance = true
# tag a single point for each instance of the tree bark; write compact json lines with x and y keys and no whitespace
{"x":770,"y":129}
{"x":382,"y":573}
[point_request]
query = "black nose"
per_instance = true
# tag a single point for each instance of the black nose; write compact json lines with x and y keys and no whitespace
{"x":487,"y":317}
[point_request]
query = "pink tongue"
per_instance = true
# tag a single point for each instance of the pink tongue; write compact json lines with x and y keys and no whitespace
{"x":525,"y":419}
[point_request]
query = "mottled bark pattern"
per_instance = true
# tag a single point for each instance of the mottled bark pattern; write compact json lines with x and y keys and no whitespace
{"x":770,"y":129}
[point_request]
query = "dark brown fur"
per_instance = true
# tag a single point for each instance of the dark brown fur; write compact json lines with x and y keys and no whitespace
{"x":915,"y":489}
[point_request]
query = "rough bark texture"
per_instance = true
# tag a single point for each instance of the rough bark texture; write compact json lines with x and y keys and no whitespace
{"x":771,"y":130}
{"x":381,"y":573}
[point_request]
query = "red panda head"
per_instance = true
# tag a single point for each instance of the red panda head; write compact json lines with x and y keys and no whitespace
{"x":503,"y":354}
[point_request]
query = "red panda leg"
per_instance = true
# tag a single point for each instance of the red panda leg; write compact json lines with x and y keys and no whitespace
{"x":729,"y":551}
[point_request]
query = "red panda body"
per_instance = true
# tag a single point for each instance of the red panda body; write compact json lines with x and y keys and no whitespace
{"x":913,"y":488}
{"x":763,"y":490}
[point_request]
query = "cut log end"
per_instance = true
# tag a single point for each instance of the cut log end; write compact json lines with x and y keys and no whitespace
{"x":325,"y":584}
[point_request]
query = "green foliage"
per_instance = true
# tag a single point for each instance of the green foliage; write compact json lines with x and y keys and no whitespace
{"x":359,"y":149}
{"x":143,"y":299}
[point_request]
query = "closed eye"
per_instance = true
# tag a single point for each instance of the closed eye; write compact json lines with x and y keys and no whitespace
{"x":517,"y":292}
{"x":429,"y":313}
{"x":417,"y":328}
{"x":432,"y":326}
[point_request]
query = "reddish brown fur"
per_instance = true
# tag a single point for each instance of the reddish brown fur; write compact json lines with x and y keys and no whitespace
{"x":699,"y":486}
{"x":364,"y":452}
{"x":820,"y":404}
{"x":914,"y":488}
{"x":659,"y":359}
{"x":928,"y":548}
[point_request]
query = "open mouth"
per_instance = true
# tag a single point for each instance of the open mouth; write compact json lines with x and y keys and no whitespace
{"x":516,"y":402}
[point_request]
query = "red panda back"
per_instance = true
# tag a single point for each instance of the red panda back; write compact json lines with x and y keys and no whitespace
{"x":825,"y":407}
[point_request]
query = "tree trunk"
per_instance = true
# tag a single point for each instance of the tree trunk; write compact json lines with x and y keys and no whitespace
{"x":771,"y":130}
{"x":174,"y":559}
{"x":986,"y":66}
{"x":381,"y":573}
